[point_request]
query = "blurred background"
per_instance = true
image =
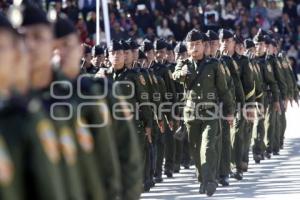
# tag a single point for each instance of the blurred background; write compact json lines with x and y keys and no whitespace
{"x":172,"y":19}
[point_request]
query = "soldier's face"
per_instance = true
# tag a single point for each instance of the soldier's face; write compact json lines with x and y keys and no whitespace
{"x":128,"y":57}
{"x":116,"y":59}
{"x":214,"y":46}
{"x":227,"y":45}
{"x":88,"y":58}
{"x":150,"y":55}
{"x":98,"y":59}
{"x":170,"y":56}
{"x":160,"y":54}
{"x":7,"y":57}
{"x":260,"y":48}
{"x":195,"y":49}
{"x":135,"y":54}
{"x":239,"y":49}
{"x":70,"y":53}
{"x":39,"y":42}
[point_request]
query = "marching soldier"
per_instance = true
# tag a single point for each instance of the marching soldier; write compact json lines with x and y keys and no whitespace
{"x":235,"y":88}
{"x":274,"y":133}
{"x":243,"y":136}
{"x":92,"y":125}
{"x":205,"y":83}
{"x":180,"y":146}
{"x":38,"y":32}
{"x":270,"y":87}
{"x":30,"y":157}
{"x":87,"y":66}
{"x":258,"y":130}
{"x":98,"y":57}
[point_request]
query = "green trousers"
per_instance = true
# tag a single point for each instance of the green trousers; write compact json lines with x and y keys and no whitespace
{"x":224,"y":166}
{"x":202,"y":139}
{"x":270,"y":120}
{"x":247,"y":140}
{"x":238,"y":140}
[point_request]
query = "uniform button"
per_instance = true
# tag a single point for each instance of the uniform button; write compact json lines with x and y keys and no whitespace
{"x":198,"y":84}
{"x":128,"y":85}
{"x":198,"y":97}
{"x":197,"y":72}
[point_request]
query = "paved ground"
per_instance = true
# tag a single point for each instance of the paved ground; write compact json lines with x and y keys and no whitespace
{"x":278,"y":178}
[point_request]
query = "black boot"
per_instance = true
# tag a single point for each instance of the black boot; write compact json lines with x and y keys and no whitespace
{"x":211,"y":188}
{"x":224,"y":181}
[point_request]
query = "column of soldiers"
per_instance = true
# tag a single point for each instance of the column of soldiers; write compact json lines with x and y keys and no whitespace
{"x":81,"y":122}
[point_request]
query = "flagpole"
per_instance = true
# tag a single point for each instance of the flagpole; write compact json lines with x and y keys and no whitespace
{"x":106,"y":21}
{"x":97,"y":21}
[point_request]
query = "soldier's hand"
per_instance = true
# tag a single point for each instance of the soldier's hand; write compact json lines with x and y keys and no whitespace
{"x":285,"y":103}
{"x":229,"y":119}
{"x":184,"y":70}
{"x":277,"y":107}
{"x":250,"y":113}
{"x":161,"y":126}
{"x":171,"y":125}
{"x":148,"y":134}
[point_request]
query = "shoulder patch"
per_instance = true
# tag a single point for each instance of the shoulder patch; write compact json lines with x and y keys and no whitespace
{"x":48,"y":140}
{"x":6,"y":165}
{"x":68,"y":146}
{"x":85,"y":138}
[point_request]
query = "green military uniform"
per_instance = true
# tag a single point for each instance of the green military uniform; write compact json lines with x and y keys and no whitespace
{"x":258,"y":131}
{"x":29,"y":156}
{"x":202,"y":96}
{"x":274,"y":134}
{"x":203,"y":134}
{"x":270,"y":92}
{"x":93,"y":130}
{"x":243,"y":135}
{"x":292,"y":92}
{"x":127,"y":143}
{"x":239,"y":121}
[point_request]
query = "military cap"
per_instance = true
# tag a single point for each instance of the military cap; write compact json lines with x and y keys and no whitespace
{"x":33,"y":15}
{"x":193,"y":35}
{"x":5,"y":23}
{"x":160,"y":44}
{"x":225,"y":34}
{"x":115,"y":46}
{"x":146,"y":46}
{"x":238,"y":39}
{"x":63,"y":27}
{"x":86,"y":48}
{"x":97,"y":50}
{"x":125,"y":45}
{"x":267,"y":39}
{"x":169,"y":47}
{"x":142,"y":55}
{"x":212,"y":35}
{"x":132,"y":43}
{"x":248,"y":43}
{"x":205,"y":37}
{"x":259,"y":37}
{"x":261,"y":31}
{"x":180,"y":48}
